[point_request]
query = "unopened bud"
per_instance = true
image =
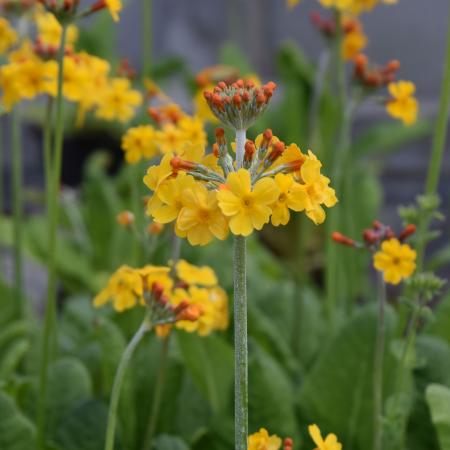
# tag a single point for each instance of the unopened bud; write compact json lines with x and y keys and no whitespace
{"x":250,"y":151}
{"x":155,"y":228}
{"x":125,"y":218}
{"x":342,"y":239}
{"x":178,"y":163}
{"x":408,"y":231}
{"x":277,"y":151}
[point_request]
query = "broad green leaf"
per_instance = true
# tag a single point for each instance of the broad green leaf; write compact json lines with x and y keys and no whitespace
{"x":12,"y":357}
{"x":388,"y":137}
{"x":210,"y":363}
{"x":338,"y":391}
{"x":438,"y":399}
{"x":83,"y":427}
{"x":16,"y":431}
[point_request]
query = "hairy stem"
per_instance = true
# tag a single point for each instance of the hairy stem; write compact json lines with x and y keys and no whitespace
{"x":240,"y":147}
{"x":240,"y":344}
{"x":118,"y":381}
{"x":53,"y":182}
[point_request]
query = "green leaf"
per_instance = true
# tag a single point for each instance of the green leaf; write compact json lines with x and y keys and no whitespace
{"x":338,"y":391}
{"x":16,"y":431}
{"x":13,"y":356}
{"x":440,"y":326}
{"x":83,"y":427}
{"x":209,"y":360}
{"x":167,"y":442}
{"x":438,"y":399}
{"x":389,"y":137}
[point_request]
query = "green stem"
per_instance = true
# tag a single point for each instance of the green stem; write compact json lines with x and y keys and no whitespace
{"x":378,"y":368}
{"x":147,"y":41}
{"x":159,"y":389}
{"x":437,"y":151}
{"x":118,"y":381}
{"x":18,"y":209}
{"x":2,"y":167}
{"x":240,"y":344}
{"x":53,"y":183}
{"x":47,"y":145}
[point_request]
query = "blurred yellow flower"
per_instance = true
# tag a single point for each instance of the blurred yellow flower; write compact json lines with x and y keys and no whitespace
{"x":201,"y":106}
{"x":191,"y":274}
{"x":354,"y":40}
{"x":330,"y":442}
{"x":262,"y":441}
{"x":247,"y":207}
{"x":119,"y":101}
{"x":138,"y":143}
{"x":193,"y":130}
{"x":201,"y":219}
{"x":8,"y":35}
{"x":170,"y":138}
{"x":397,"y":261}
{"x":49,"y":30}
{"x":292,"y":3}
{"x":403,"y":105}
{"x":114,"y":7}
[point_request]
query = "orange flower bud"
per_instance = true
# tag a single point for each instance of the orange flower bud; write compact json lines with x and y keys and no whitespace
{"x":277,"y":151}
{"x":341,"y":239}
{"x":155,"y":228}
{"x":181,"y":164}
{"x":125,"y":218}
{"x":408,"y":231}
{"x":250,"y":151}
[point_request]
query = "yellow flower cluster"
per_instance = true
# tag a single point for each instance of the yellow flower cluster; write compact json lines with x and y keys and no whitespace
{"x":397,"y":261}
{"x":8,"y":36}
{"x":191,"y":285}
{"x":49,"y":30}
{"x":349,"y":6}
{"x":204,"y":203}
{"x":402,"y":104}
{"x":146,"y":141}
{"x":354,"y":40}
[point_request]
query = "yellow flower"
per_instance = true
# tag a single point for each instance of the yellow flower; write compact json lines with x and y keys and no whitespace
{"x":119,"y":101}
{"x":292,"y":3}
{"x":158,"y":174}
{"x":76,"y":78}
{"x":330,"y":442}
{"x":201,"y":219}
{"x":49,"y":30}
{"x":354,"y":41}
{"x":8,"y":35}
{"x":262,"y":441}
{"x":191,"y":274}
{"x":114,"y":7}
{"x":193,"y":130}
{"x":403,"y":105}
{"x":171,"y":196}
{"x":247,"y":207}
{"x":156,"y":274}
{"x":138,"y":143}
{"x":170,"y":138}
{"x":315,"y":190}
{"x":124,"y":290}
{"x":395,"y":260}
{"x":289,"y":198}
{"x":201,"y":108}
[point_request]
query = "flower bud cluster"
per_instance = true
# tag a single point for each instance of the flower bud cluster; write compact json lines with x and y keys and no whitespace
{"x":373,"y":77}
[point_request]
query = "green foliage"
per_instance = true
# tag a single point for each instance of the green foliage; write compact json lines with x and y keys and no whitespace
{"x":438,"y":399}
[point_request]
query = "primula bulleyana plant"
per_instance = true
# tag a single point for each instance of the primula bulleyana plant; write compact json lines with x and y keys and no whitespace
{"x":209,"y":195}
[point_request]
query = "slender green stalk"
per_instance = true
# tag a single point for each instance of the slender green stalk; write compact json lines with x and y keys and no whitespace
{"x":2,"y":166}
{"x":53,"y":183}
{"x":17,"y":209}
{"x":47,"y":145}
{"x":147,"y":37}
{"x":157,"y":396}
{"x":118,"y":381}
{"x":240,"y":344}
{"x":378,"y":367}
{"x":437,"y":151}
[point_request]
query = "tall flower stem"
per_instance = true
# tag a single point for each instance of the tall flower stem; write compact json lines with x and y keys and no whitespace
{"x":157,"y":396}
{"x":147,"y":41}
{"x":118,"y":381}
{"x":17,"y":209}
{"x":240,"y":344}
{"x":240,"y":147}
{"x":438,"y":147}
{"x":378,"y":367}
{"x":53,"y":182}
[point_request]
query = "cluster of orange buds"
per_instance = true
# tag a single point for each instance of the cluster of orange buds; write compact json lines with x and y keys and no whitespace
{"x":162,"y":312}
{"x":64,"y":10}
{"x":166,"y":113}
{"x":327,"y":27}
{"x":240,"y":103}
{"x":288,"y":444}
{"x":48,"y":51}
{"x":374,"y":236}
{"x":125,"y":70}
{"x":214,"y":74}
{"x":372,"y":77}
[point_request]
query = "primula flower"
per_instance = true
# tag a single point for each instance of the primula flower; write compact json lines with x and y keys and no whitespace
{"x":49,"y":30}
{"x":8,"y":35}
{"x":169,"y":138}
{"x":247,"y":207}
{"x":191,"y":274}
{"x":138,"y":143}
{"x":397,"y":261}
{"x":201,"y":219}
{"x":114,"y":8}
{"x":193,"y":130}
{"x":330,"y":442}
{"x":354,"y":40}
{"x":354,"y":6}
{"x":201,"y":107}
{"x":290,"y":197}
{"x":261,"y":440}
{"x":403,"y":105}
{"x":119,"y":101}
